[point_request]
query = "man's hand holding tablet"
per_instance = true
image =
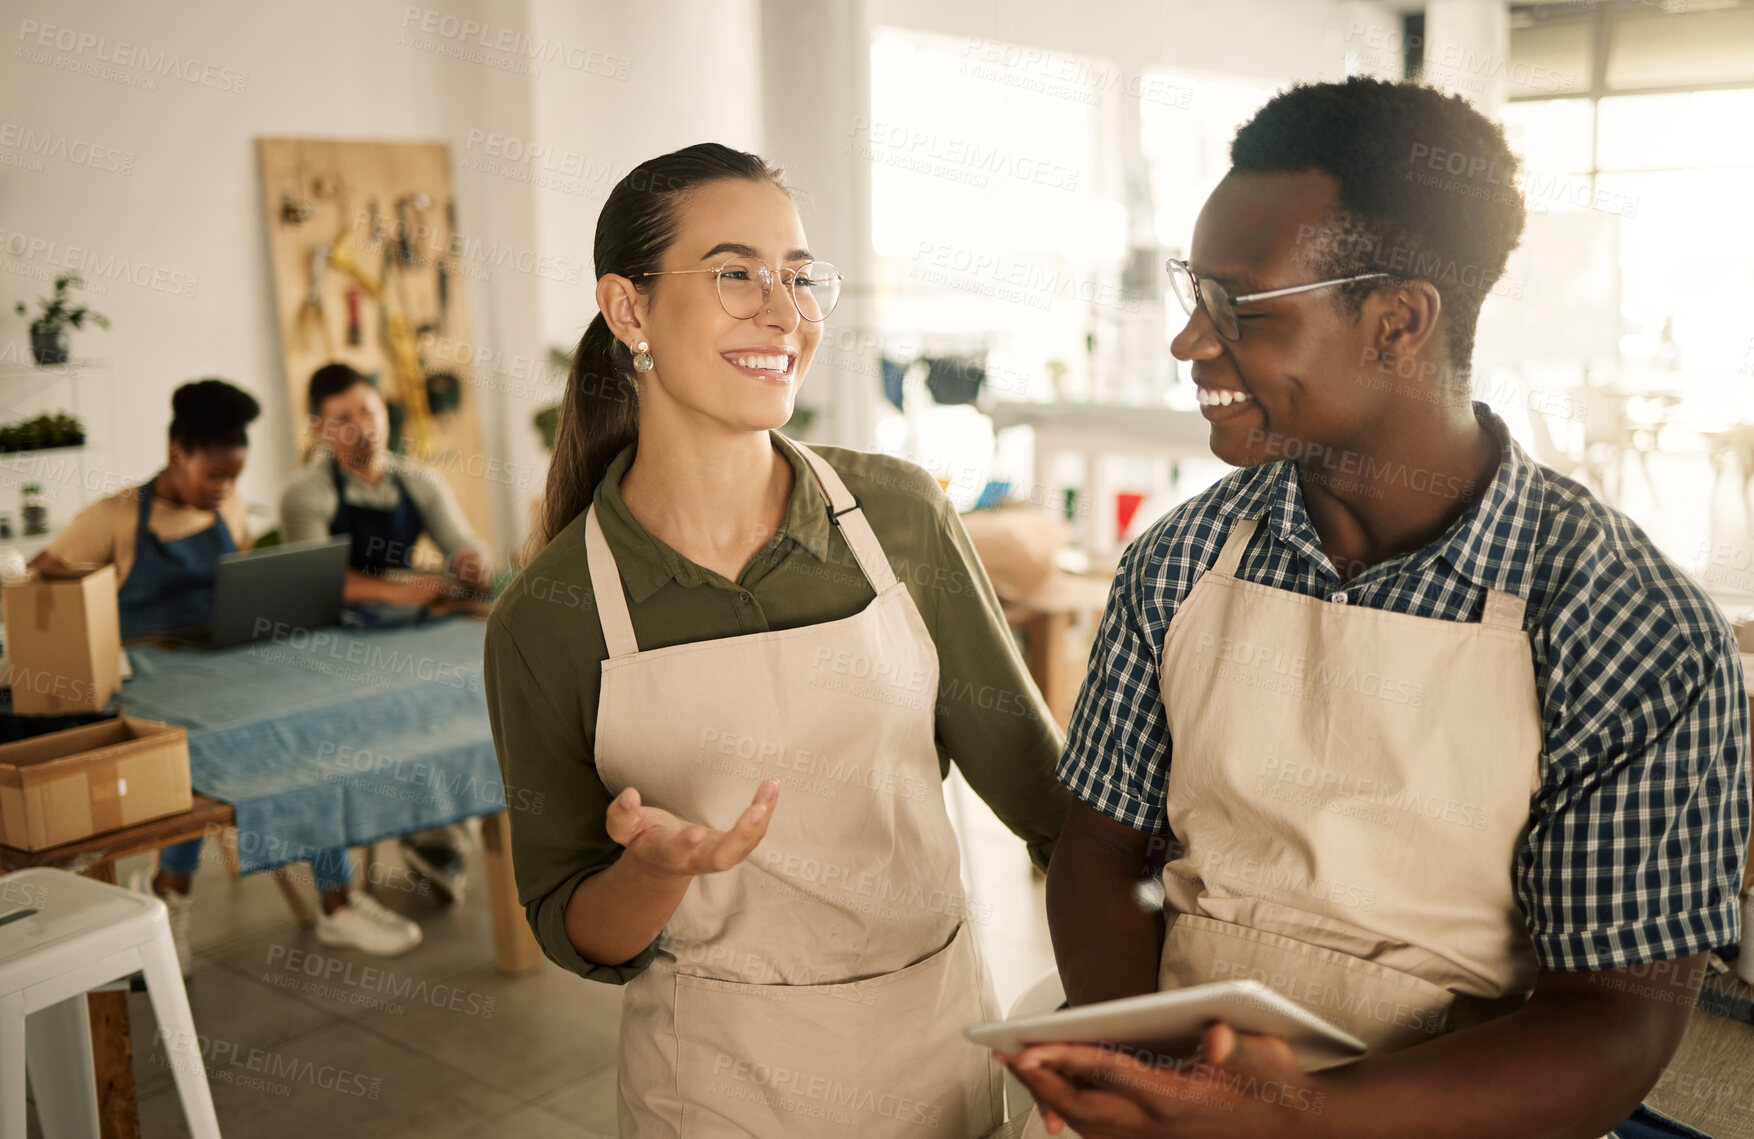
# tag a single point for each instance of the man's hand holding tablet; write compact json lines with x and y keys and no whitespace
{"x":1241,"y":1085}
{"x":1222,"y":1059}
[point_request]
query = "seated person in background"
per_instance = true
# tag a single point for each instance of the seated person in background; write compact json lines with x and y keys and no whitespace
{"x":165,"y":538}
{"x":354,"y":485}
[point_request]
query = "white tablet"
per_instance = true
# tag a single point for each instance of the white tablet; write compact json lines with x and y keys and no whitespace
{"x":1175,"y":1019}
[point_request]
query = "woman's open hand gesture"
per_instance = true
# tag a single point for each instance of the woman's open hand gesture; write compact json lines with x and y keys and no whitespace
{"x":667,"y":846}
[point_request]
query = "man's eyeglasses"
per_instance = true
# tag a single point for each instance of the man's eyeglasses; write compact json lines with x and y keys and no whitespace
{"x":1192,"y":289}
{"x":746,"y":284}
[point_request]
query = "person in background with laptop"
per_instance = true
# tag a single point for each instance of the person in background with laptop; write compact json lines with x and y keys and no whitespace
{"x":354,"y":485}
{"x":165,"y":537}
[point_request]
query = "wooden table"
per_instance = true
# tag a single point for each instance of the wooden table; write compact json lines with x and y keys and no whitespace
{"x":515,"y":948}
{"x":1044,"y":623}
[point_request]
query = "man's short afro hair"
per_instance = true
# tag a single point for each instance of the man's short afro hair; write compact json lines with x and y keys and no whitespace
{"x":1428,"y":189}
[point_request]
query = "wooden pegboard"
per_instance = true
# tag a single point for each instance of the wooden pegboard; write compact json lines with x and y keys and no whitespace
{"x":378,"y":218}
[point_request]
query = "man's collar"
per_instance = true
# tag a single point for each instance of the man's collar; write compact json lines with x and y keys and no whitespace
{"x":1490,"y":543}
{"x":646,"y":564}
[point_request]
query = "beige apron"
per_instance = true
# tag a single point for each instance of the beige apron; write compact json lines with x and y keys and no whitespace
{"x":1349,"y":788}
{"x":820,"y":987}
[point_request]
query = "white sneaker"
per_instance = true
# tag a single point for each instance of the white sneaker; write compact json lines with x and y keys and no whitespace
{"x":1745,"y":959}
{"x":364,"y":924}
{"x":180,"y":906}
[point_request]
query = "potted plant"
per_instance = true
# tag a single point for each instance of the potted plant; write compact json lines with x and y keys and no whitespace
{"x":42,"y":433}
{"x":547,"y":420}
{"x":48,"y":332}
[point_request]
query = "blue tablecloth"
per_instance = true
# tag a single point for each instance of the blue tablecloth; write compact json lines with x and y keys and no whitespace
{"x":331,"y":737}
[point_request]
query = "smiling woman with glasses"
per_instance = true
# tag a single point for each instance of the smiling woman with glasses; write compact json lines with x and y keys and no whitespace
{"x":720,"y":677}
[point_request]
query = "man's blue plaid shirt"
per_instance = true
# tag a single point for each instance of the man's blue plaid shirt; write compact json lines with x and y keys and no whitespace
{"x":1637,"y":836}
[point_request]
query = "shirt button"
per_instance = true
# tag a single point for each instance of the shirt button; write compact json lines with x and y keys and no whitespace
{"x":1339,"y":598}
{"x":744,"y":599}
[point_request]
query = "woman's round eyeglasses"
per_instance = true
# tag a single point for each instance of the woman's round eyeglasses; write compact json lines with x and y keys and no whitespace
{"x":745,"y":285}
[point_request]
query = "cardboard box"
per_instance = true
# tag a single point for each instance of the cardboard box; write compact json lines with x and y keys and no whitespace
{"x":69,"y":785}
{"x":64,"y":639}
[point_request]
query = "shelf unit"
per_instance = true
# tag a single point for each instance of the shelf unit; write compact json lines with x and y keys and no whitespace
{"x":71,"y":477}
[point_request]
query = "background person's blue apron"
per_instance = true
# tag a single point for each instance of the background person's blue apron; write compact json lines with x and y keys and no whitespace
{"x":382,"y":539}
{"x":171,"y":583}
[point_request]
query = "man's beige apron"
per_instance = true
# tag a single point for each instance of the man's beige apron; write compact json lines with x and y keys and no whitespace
{"x":1348,"y":791}
{"x":820,"y":987}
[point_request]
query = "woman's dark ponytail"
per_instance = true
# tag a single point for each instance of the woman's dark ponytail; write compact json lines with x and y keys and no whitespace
{"x":599,"y":414}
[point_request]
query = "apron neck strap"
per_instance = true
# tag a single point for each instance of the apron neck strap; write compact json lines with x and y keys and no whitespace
{"x":1503,"y":610}
{"x":1231,"y":555}
{"x":845,"y":512}
{"x":148,"y":489}
{"x":606,"y":590}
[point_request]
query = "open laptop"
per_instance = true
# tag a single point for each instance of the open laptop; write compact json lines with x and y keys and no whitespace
{"x":263,"y":593}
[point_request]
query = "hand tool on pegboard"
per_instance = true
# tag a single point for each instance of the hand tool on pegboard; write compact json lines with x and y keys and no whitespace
{"x":311,"y":309}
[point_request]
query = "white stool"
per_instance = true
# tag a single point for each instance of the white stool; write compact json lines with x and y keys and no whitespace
{"x":1042,"y":997}
{"x":62,"y":935}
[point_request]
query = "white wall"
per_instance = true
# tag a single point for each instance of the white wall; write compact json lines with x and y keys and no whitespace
{"x":189,"y":201}
{"x":646,"y":78}
{"x":1284,"y":39}
{"x":659,"y":75}
{"x":692,"y":75}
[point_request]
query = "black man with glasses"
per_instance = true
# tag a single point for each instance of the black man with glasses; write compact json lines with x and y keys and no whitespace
{"x":1393,"y":720}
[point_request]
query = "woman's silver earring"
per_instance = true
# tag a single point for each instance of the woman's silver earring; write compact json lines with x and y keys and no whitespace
{"x":642,"y":359}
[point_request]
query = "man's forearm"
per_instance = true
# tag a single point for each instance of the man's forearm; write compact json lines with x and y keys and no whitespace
{"x":1107,"y":939}
{"x":1569,"y":1066}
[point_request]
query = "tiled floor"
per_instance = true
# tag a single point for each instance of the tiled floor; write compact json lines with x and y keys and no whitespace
{"x":304,"y":1041}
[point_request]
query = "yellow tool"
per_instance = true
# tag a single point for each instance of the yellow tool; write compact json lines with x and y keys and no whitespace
{"x":400,"y":341}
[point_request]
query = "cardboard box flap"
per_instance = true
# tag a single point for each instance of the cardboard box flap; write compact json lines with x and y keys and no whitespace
{"x":62,"y":635}
{"x":72,"y":571}
{"x":102,"y":744}
{"x":63,"y":786}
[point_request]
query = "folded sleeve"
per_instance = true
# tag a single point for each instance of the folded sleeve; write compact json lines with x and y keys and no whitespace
{"x":1117,"y":748}
{"x":1639,"y":832}
{"x":559,"y":836}
{"x":991,"y":719}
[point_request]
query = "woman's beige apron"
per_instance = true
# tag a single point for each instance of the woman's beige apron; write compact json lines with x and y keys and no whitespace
{"x":820,"y":987}
{"x":1348,"y":791}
